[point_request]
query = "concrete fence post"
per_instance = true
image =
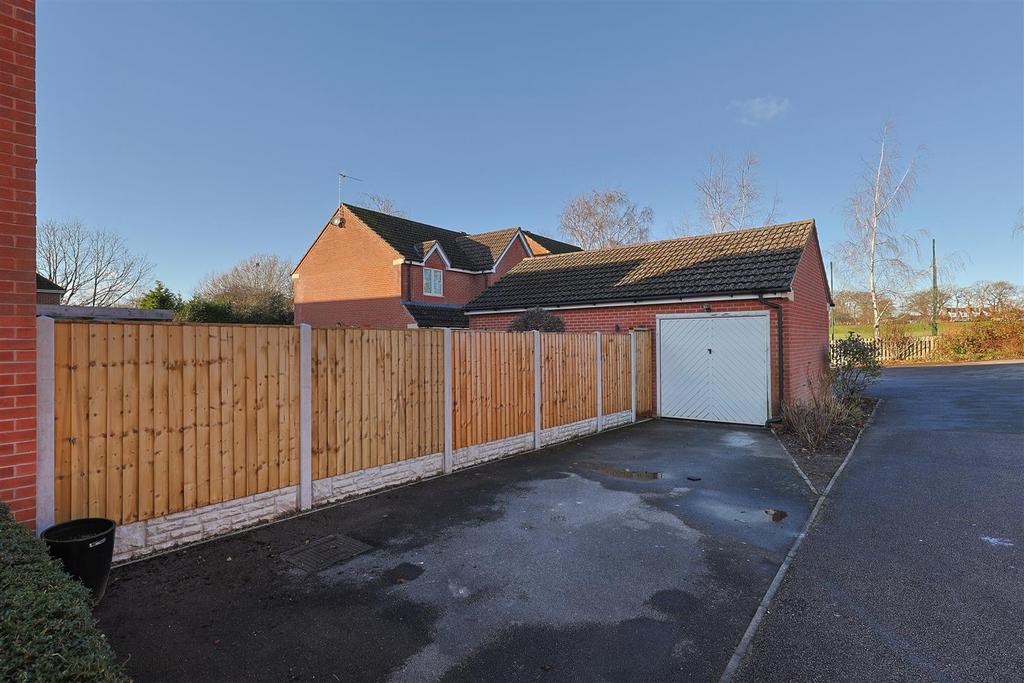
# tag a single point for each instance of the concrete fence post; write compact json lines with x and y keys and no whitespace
{"x":536,"y":389}
{"x":632,"y":374}
{"x":600,"y":402}
{"x":449,"y":463}
{"x":45,"y":375}
{"x":305,"y":417}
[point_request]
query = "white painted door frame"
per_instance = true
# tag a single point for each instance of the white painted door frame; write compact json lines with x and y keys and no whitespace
{"x":766,"y":315}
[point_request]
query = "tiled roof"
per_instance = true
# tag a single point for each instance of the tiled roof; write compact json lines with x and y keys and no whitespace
{"x":749,"y":261}
{"x":476,"y":252}
{"x":44,"y":284}
{"x":436,"y":315}
{"x":487,"y":247}
{"x":551,"y":246}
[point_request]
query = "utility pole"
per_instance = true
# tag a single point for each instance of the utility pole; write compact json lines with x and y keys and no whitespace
{"x":935,"y":293}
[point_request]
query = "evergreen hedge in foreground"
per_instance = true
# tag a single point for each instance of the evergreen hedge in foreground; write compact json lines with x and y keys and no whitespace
{"x":47,"y":631}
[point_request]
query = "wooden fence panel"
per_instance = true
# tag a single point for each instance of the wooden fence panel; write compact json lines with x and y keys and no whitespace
{"x":568,"y":378}
{"x":644,"y":373}
{"x":152,"y":419}
{"x":377,"y":397}
{"x":492,"y":386}
{"x":149,"y":416}
{"x":616,"y":375}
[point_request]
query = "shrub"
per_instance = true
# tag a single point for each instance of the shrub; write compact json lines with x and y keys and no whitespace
{"x":200,"y":309}
{"x":813,"y":419}
{"x":537,"y":319}
{"x":47,"y":632}
{"x":984,"y":340}
{"x":855,"y":366}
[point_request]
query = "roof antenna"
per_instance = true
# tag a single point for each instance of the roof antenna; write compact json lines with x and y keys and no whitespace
{"x":341,"y":179}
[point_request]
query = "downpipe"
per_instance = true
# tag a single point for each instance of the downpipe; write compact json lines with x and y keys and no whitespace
{"x":780,"y":363}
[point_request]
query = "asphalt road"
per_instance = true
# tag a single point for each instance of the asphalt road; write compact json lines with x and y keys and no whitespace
{"x":638,"y":554}
{"x":914,"y":570}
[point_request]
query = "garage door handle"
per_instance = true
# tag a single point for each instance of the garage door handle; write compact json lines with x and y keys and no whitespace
{"x":709,"y":350}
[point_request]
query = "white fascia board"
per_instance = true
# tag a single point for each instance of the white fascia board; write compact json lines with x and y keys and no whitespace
{"x":647,"y":302}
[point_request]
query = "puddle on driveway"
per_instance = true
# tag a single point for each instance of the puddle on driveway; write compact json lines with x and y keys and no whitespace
{"x":619,"y":472}
{"x":776,"y":515}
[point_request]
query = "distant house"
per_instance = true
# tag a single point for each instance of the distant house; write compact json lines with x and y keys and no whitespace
{"x":371,"y":269}
{"x":48,"y":291}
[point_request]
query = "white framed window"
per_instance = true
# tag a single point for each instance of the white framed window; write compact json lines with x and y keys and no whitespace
{"x":433,"y":282}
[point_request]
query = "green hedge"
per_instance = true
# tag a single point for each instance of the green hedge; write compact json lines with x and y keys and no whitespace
{"x":47,"y":632}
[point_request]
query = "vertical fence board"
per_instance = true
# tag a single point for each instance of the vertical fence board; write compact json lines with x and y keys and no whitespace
{"x":189,"y":452}
{"x":130,"y":409}
{"x":115,"y":421}
{"x":63,"y":392}
{"x":202,"y":416}
{"x":215,"y":418}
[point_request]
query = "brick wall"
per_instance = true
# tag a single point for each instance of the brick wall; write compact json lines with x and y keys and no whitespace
{"x":806,"y":321}
{"x":48,"y":298}
{"x":805,"y":325}
{"x":349,"y":278}
{"x":17,"y":258}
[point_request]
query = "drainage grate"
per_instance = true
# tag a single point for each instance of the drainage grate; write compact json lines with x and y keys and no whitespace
{"x":324,"y":552}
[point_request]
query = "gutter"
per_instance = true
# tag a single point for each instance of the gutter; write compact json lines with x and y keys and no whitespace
{"x":781,"y":356}
{"x":642,"y":302}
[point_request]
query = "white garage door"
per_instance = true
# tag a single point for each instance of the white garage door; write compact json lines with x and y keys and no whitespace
{"x":714,"y":366}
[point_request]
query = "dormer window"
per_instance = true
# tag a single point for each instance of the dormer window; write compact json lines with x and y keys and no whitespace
{"x":433,"y":282}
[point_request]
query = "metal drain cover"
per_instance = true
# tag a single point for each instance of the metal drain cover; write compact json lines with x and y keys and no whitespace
{"x":324,"y":552}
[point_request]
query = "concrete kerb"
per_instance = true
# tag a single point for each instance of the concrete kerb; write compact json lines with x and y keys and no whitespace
{"x":799,"y":469}
{"x":762,"y":608}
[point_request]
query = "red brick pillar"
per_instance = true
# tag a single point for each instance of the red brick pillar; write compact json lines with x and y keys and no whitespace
{"x":18,"y":257}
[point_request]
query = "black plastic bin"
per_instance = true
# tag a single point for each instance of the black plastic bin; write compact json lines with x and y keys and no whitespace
{"x":85,"y":548}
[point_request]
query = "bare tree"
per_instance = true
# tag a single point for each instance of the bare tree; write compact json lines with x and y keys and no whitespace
{"x":605,"y":218}
{"x":260,"y":287}
{"x":95,"y":267}
{"x":730,"y":197}
{"x":875,"y":247}
{"x":995,"y":298}
{"x":382,"y":203}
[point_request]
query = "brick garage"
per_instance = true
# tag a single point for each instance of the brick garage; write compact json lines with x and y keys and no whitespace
{"x":605,"y":291}
{"x":17,"y":258}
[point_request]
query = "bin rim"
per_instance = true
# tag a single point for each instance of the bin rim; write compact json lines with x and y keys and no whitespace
{"x":56,"y":528}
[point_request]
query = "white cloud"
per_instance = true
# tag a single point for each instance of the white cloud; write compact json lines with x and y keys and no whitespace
{"x":759,"y":109}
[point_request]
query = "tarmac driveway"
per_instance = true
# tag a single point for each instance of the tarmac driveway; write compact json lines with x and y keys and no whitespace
{"x":637,"y":554}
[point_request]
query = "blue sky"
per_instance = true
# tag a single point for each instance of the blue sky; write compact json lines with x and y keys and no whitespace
{"x":207,"y":132}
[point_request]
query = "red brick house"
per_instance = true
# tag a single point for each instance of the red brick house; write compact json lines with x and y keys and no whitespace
{"x":371,"y":269}
{"x":740,"y":318}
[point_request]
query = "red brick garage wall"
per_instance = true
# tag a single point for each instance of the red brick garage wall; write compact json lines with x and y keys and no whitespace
{"x":805,"y":325}
{"x":17,"y":258}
